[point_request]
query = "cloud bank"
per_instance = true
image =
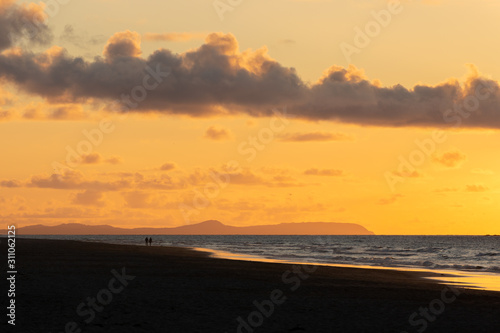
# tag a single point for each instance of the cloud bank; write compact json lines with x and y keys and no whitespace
{"x":219,"y":79}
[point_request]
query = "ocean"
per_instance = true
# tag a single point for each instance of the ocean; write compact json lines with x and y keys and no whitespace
{"x":454,"y":253}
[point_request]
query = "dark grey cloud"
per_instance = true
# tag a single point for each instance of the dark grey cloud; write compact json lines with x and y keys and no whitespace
{"x":22,"y":22}
{"x":215,"y":74}
{"x":217,"y":78}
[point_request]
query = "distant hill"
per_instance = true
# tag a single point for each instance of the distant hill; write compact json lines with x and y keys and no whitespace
{"x":211,"y":227}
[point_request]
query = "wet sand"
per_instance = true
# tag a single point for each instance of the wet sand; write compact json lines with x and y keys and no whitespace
{"x":70,"y":286}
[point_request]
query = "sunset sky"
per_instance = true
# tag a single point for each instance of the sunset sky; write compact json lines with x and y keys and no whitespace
{"x":165,"y":113}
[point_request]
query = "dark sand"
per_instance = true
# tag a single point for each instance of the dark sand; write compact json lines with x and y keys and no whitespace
{"x":180,"y":290}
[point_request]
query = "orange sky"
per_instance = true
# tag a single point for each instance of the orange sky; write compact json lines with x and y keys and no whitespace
{"x":134,"y":122}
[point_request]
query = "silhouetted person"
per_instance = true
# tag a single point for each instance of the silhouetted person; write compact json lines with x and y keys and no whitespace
{"x":150,"y":241}
{"x":146,"y":241}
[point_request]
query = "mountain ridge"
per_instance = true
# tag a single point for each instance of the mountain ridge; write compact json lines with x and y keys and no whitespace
{"x":209,"y":227}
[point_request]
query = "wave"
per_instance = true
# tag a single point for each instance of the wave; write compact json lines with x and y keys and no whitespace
{"x":464,"y":253}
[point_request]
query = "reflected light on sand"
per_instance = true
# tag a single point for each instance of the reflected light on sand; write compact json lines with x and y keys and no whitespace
{"x":470,"y":280}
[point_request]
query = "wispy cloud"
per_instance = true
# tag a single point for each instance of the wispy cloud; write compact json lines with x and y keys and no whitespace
{"x":485,"y":172}
{"x":476,"y":188}
{"x":390,"y":200}
{"x":217,"y":134}
{"x":323,"y":172}
{"x":96,"y":158}
{"x":314,"y":136}
{"x":168,"y":166}
{"x":89,"y":198}
{"x":173,"y":36}
{"x":450,"y":159}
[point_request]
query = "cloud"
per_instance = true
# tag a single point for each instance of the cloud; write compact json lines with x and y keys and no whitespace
{"x":446,"y":189}
{"x":485,"y":172}
{"x":219,"y":79}
{"x":287,"y":41}
{"x":156,"y":182}
{"x":12,"y":202}
{"x":217,"y":134}
{"x":66,"y":112}
{"x":119,"y":181}
{"x":32,"y":112}
{"x":10,"y":183}
{"x":96,"y":158}
{"x":63,"y":213}
{"x":70,"y":180}
{"x":80,"y":40}
{"x":215,"y":78}
{"x":239,"y":205}
{"x":114,"y":160}
{"x":53,"y":111}
{"x":89,"y":198}
{"x":92,"y":158}
{"x":476,"y":188}
{"x":173,"y":37}
{"x":126,"y":44}
{"x":450,"y":159}
{"x":22,"y":22}
{"x":168,"y":166}
{"x":390,"y":200}
{"x":243,"y":176}
{"x":247,"y":177}
{"x":323,"y":172}
{"x":5,"y":115}
{"x":413,"y":174}
{"x":6,"y":98}
{"x":457,"y":206}
{"x":139,"y":199}
{"x":314,"y":136}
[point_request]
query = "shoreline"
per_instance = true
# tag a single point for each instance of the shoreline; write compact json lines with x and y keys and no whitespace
{"x":487,"y":281}
{"x":178,"y":289}
{"x":481,"y":270}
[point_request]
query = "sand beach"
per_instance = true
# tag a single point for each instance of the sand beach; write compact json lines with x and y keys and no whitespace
{"x":71,"y":286}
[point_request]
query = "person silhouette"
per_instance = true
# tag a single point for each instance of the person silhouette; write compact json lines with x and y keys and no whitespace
{"x":146,"y":241}
{"x":150,"y":241}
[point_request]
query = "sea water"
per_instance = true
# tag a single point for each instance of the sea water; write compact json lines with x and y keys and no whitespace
{"x":457,"y":253}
